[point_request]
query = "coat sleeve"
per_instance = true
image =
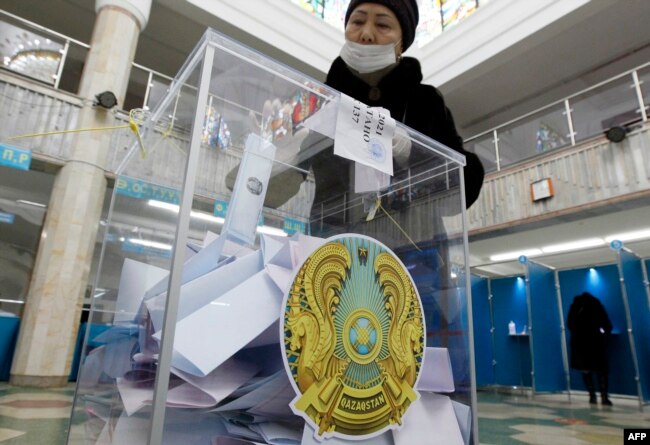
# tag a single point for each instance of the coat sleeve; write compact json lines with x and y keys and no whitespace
{"x":605,"y":322}
{"x":570,"y":322}
{"x":444,"y":130}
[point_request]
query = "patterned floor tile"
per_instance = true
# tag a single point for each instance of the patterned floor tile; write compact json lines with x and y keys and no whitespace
{"x":515,"y":419}
{"x":36,"y":405}
{"x":6,"y":434}
{"x":33,"y":416}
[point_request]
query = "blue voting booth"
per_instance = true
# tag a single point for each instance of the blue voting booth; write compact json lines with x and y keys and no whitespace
{"x":546,"y":327}
{"x":8,"y":335}
{"x":540,"y":299}
{"x":9,"y":327}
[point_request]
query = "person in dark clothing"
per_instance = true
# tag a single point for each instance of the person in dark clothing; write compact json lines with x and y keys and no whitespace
{"x":371,"y":69}
{"x":590,"y":326}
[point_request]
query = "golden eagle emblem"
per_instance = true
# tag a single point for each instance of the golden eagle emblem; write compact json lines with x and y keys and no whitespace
{"x":353,"y":338}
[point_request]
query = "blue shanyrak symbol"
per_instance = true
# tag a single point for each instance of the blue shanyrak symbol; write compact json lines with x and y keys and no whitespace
{"x":376,"y":150}
{"x":363,"y":336}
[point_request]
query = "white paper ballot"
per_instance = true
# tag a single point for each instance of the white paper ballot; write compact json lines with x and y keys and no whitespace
{"x":201,"y":263}
{"x":277,"y":405}
{"x":282,"y":256}
{"x":368,"y":179}
{"x":277,"y":434}
{"x":436,"y":374}
{"x":225,"y":440}
{"x":133,"y":396}
{"x":203,"y":392}
{"x":302,"y":246}
{"x":249,"y":191}
{"x":269,"y":389}
{"x":242,"y":432}
{"x":126,"y":430}
{"x":365,"y":134}
{"x":212,"y":334}
{"x":209,"y":238}
{"x":136,"y":278}
{"x":281,"y":276}
{"x":430,"y":420}
{"x":253,"y":384}
{"x":464,"y":416}
{"x":309,"y":439}
{"x":324,"y":120}
{"x":272,"y":246}
{"x":206,"y":288}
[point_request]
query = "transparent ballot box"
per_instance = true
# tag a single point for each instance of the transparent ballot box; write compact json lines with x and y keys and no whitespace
{"x":255,"y":287}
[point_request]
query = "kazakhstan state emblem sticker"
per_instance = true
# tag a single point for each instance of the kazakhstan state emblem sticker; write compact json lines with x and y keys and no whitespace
{"x":353,"y":338}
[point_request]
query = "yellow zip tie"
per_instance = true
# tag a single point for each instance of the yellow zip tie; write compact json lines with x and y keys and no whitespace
{"x":78,"y":130}
{"x":134,"y":128}
{"x":397,"y":224}
{"x":132,"y":125}
{"x":164,"y":136}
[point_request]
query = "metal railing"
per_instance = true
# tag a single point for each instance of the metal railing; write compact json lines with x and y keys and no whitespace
{"x":622,"y":100}
{"x":146,"y":86}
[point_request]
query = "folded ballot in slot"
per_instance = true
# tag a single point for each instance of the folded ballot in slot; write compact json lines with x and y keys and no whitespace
{"x":273,"y":273}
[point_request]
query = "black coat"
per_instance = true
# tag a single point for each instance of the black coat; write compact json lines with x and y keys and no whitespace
{"x":418,"y":106}
{"x":589,"y":326}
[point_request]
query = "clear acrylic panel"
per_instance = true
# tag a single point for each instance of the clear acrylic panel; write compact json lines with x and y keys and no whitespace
{"x":139,"y":232}
{"x":598,"y":110}
{"x":288,"y":280}
{"x":136,"y":89}
{"x":644,"y":80}
{"x":485,"y":149}
{"x":158,"y":88}
{"x":539,"y":133}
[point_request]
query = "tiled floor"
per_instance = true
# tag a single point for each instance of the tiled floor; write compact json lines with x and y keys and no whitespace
{"x":552,"y":419}
{"x":35,"y":417}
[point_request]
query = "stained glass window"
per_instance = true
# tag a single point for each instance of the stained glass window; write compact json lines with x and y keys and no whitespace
{"x":316,"y":7}
{"x":454,"y":11}
{"x":435,"y":15}
{"x":430,"y":22}
{"x":334,"y":13}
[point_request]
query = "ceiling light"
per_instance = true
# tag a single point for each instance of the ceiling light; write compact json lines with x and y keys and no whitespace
{"x":175,"y":208}
{"x":2,"y":300}
{"x":207,"y":217}
{"x":271,"y":231}
{"x":629,"y":236}
{"x":36,"y":63}
{"x":515,"y":254}
{"x":153,"y":244}
{"x":574,"y":245}
{"x":163,"y":205}
{"x":30,"y":203}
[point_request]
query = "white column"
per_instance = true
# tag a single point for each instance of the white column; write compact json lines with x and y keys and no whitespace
{"x":52,"y":311}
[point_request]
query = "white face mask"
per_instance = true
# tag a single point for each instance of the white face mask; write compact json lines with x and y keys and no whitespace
{"x":368,"y":58}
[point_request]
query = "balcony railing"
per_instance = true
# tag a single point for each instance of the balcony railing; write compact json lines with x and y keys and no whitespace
{"x":57,"y":60}
{"x":621,"y":101}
